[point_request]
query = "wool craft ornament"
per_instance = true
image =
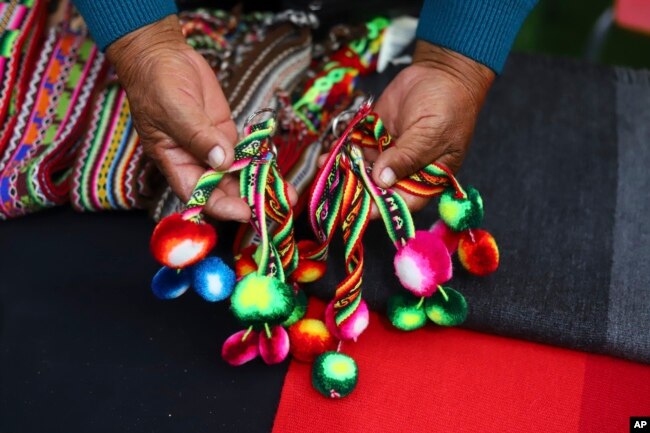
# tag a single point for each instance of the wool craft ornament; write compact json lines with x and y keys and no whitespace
{"x":269,"y":265}
{"x":334,"y":374}
{"x":309,"y":339}
{"x":478,"y":252}
{"x":423,"y":260}
{"x":299,"y":307}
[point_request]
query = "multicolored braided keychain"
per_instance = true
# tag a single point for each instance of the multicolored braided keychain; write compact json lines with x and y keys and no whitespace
{"x":265,"y":296}
{"x":341,"y":196}
{"x":263,"y":300}
{"x":264,"y":289}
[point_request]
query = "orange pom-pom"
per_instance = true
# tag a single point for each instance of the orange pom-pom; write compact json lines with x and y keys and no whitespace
{"x":178,"y":243}
{"x":308,"y":270}
{"x":309,"y":339}
{"x":478,"y":252}
{"x":244,"y":262}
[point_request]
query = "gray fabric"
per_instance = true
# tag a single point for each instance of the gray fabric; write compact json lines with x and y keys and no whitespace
{"x":629,"y":294}
{"x":545,"y":159}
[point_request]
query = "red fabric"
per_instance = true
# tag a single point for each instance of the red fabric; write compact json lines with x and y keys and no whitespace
{"x":633,"y":15}
{"x":451,"y":380}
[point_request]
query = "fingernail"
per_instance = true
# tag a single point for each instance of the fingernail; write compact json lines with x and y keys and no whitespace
{"x":387,"y":176}
{"x":216,"y":157}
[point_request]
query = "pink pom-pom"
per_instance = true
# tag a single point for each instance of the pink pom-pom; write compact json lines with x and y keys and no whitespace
{"x":241,"y":347}
{"x":352,"y":326}
{"x":449,"y":237}
{"x":423,"y":264}
{"x":275,"y":349}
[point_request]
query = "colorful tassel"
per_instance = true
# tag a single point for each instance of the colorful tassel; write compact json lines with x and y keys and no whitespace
{"x":213,"y":280}
{"x":334,"y":374}
{"x":241,"y":347}
{"x":178,"y":243}
{"x":171,"y":283}
{"x":478,"y":252}
{"x":309,"y":339}
{"x":258,"y":299}
{"x":423,"y":264}
{"x":274,"y":344}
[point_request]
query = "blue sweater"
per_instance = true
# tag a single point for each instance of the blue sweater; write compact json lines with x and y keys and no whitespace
{"x":483,"y":30}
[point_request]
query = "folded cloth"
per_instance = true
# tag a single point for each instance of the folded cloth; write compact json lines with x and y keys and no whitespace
{"x":560,"y":155}
{"x":434,"y":380}
{"x":35,"y":163}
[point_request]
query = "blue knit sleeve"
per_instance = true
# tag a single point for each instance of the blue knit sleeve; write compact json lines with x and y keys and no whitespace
{"x":483,"y":30}
{"x":108,"y":20}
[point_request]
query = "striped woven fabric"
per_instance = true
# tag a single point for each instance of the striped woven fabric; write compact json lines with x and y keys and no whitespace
{"x":35,"y":165}
{"x":110,"y":171}
{"x":21,"y":27}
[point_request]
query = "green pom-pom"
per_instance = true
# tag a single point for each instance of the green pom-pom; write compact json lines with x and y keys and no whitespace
{"x":259,"y":299}
{"x":299,"y":309}
{"x":334,"y":374}
{"x":461,"y":213}
{"x":406,"y":312}
{"x":446,"y":307}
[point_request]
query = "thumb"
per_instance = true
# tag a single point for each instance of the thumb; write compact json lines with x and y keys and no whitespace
{"x":411,"y":152}
{"x":210,"y":142}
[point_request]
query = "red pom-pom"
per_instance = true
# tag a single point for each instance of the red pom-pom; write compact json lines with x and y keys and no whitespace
{"x":244,"y":262}
{"x":308,"y":270}
{"x":178,"y":243}
{"x":309,"y":339}
{"x":478,"y":252}
{"x":423,"y":264}
{"x":448,"y":237}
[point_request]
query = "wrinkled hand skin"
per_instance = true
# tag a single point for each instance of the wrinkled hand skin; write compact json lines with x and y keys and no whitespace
{"x":430,"y":109}
{"x":179,"y":111}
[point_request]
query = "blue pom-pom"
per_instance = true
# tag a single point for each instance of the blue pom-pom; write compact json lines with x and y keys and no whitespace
{"x":213,"y":279}
{"x":171,"y":283}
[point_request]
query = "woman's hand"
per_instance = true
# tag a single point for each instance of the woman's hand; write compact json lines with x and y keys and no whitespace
{"x":179,"y":111}
{"x":430,"y":109}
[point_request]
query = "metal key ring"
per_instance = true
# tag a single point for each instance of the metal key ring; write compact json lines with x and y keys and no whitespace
{"x":258,"y":112}
{"x":338,"y":118}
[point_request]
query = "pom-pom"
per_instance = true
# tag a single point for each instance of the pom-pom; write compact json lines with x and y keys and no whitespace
{"x":170,"y":283}
{"x":299,"y":309}
{"x":446,"y":308}
{"x":406,"y":312}
{"x":244,"y":262}
{"x":352,"y":326}
{"x":274,"y":348}
{"x":259,"y":299}
{"x":179,"y":243}
{"x":334,"y":374}
{"x":310,"y":338}
{"x":241,"y":347}
{"x":423,"y":264}
{"x":461,"y":213}
{"x":478,"y":252}
{"x":448,"y":237}
{"x":308,"y":270}
{"x":213,"y":279}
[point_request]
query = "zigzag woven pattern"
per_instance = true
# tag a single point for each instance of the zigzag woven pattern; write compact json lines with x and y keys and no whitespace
{"x":36,"y":163}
